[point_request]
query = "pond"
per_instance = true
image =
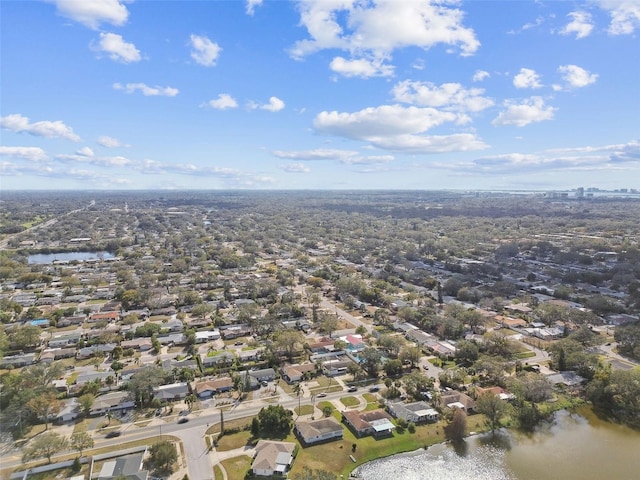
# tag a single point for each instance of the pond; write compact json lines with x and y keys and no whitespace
{"x":48,"y":258}
{"x":575,"y":446}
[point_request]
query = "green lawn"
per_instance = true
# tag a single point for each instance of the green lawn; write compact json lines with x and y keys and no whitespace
{"x":237,"y":467}
{"x":304,"y":410}
{"x":350,"y":401}
{"x":236,"y":440}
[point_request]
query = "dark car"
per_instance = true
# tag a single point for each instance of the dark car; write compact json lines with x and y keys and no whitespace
{"x":183,"y":420}
{"x":113,"y":434}
{"x":374,"y":389}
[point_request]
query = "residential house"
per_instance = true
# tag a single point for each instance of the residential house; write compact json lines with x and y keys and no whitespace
{"x":416,"y":412}
{"x":374,"y":422}
{"x":498,"y":391}
{"x":104,"y":316}
{"x":272,"y":457}
{"x":128,"y":466}
{"x":112,"y":401}
{"x":203,"y":337}
{"x":141,"y":344}
{"x":174,"y":325}
{"x":455,"y":399}
{"x":297,"y":372}
{"x":208,"y":388}
{"x":218,"y":360}
{"x":62,"y":341}
{"x":263,"y":375}
{"x":16,"y":361}
{"x":316,"y":431}
{"x":171,"y":392}
{"x":70,"y":411}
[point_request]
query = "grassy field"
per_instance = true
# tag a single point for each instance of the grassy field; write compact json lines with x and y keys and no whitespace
{"x":237,"y":467}
{"x":350,"y":401}
{"x":236,"y":440}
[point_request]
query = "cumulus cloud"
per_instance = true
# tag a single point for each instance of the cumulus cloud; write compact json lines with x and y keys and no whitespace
{"x":480,"y":75}
{"x":146,"y":90}
{"x":520,"y":114}
{"x":449,"y":96}
{"x":223,"y":102}
{"x":205,"y":52}
{"x":56,"y":129}
{"x":297,"y":167}
{"x":85,"y":152}
{"x":576,"y":77}
{"x":567,"y":159}
{"x":33,"y":154}
{"x":274,"y":105}
{"x":581,"y":24}
{"x":527,"y":78}
{"x":109,"y":142}
{"x":381,"y":26}
{"x":117,"y":49}
{"x":361,"y":67}
{"x":625,"y":16}
{"x":251,"y":5}
{"x":94,"y":12}
{"x":397,"y":128}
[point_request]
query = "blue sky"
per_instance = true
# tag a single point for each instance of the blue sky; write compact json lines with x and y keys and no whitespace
{"x":319,"y":94}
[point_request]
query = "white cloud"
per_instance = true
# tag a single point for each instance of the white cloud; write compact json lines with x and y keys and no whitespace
{"x":361,"y":67}
{"x":349,"y":157}
{"x":397,"y":128}
{"x":56,"y":129}
{"x":527,"y":78}
{"x":297,"y":167}
{"x":146,"y":90}
{"x":581,"y":24}
{"x":205,"y":52}
{"x":274,"y":105}
{"x":480,"y":75}
{"x":386,"y":120}
{"x":92,"y":13}
{"x":529,"y":111}
{"x":450,"y":96}
{"x":85,"y":152}
{"x":381,"y":26}
{"x":117,"y":49}
{"x":459,"y":142}
{"x":576,"y":77}
{"x":34,"y":154}
{"x":251,"y":5}
{"x":567,"y":159}
{"x":625,"y":15}
{"x":223,"y":102}
{"x":109,"y":142}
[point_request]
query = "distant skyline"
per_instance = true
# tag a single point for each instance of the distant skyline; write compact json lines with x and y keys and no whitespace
{"x":319,"y":94}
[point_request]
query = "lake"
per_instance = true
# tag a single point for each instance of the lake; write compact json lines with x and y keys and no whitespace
{"x":46,"y":258}
{"x":574,"y":446}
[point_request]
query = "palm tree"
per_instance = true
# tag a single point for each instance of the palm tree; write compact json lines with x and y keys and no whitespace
{"x":297,"y":389}
{"x":190,"y":400}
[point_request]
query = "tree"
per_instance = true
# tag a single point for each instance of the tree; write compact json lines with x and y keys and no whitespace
{"x":45,"y":445}
{"x":142,"y":383}
{"x":26,"y":336}
{"x":80,"y":441}
{"x":328,"y":324}
{"x":289,"y":341}
{"x":370,"y":360}
{"x":492,"y":407}
{"x":411,"y":355}
{"x":162,"y":456}
{"x":467,"y":352}
{"x":190,"y":400}
{"x":457,"y":426}
{"x":44,"y":406}
{"x":274,"y":421}
{"x":86,"y":402}
{"x":415,"y":383}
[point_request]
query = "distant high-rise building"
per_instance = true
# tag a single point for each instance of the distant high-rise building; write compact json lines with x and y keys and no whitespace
{"x":580,"y":192}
